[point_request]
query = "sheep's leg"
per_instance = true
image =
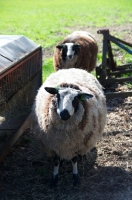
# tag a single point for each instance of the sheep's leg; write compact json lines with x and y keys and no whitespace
{"x":54,"y":179}
{"x":76,"y":179}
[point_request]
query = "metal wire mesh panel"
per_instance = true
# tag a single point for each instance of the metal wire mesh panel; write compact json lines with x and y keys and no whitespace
{"x":19,"y":75}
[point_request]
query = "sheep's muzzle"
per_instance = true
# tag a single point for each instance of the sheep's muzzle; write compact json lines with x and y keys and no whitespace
{"x":64,"y":114}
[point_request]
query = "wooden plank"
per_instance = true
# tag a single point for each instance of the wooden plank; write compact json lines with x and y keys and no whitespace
{"x":124,"y":66}
{"x":118,"y":94}
{"x":104,"y":53}
{"x":120,"y":72}
{"x":114,"y":40}
{"x":122,"y":41}
{"x":112,"y":63}
{"x":118,"y":80}
{"x":6,"y":148}
{"x":14,"y":48}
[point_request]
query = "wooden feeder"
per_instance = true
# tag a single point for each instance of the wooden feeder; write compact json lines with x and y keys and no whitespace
{"x":20,"y":78}
{"x":108,"y":72}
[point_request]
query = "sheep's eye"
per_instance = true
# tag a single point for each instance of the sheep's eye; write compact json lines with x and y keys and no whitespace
{"x":75,"y":103}
{"x":58,"y":98}
{"x":75,"y":100}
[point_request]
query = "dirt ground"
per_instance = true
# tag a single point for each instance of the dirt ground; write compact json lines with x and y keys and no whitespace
{"x":106,"y":174}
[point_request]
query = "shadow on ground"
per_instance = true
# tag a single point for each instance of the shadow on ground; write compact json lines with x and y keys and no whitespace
{"x":25,"y":174}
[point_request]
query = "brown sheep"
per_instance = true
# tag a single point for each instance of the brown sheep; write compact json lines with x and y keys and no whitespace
{"x":77,"y":50}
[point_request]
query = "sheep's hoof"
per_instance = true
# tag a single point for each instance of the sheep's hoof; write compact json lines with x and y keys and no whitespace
{"x":54,"y":181}
{"x":76,"y":179}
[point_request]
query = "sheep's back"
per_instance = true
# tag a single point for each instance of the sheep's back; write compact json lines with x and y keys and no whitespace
{"x":76,"y":76}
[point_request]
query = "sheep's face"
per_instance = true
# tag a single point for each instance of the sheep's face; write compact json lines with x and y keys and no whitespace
{"x":69,"y":50}
{"x":67,"y":100}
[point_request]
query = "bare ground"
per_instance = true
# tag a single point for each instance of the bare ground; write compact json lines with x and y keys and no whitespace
{"x":105,"y":175}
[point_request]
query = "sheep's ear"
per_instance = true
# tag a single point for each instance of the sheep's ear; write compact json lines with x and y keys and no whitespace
{"x":51,"y":90}
{"x":60,"y":46}
{"x":77,"y":45}
{"x":84,"y":96}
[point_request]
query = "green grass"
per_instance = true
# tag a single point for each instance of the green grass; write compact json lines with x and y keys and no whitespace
{"x":47,"y":68}
{"x":47,"y":22}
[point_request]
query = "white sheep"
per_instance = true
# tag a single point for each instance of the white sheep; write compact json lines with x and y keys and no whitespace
{"x":77,"y":50}
{"x":68,"y":116}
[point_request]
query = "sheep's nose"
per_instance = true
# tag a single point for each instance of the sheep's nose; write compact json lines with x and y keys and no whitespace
{"x":64,"y":114}
{"x":70,"y":57}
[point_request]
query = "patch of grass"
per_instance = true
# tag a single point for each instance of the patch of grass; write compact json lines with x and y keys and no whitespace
{"x":46,"y":22}
{"x":99,"y":58}
{"x":93,"y":73}
{"x":47,"y":68}
{"x":129,"y":85}
{"x":128,"y":58}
